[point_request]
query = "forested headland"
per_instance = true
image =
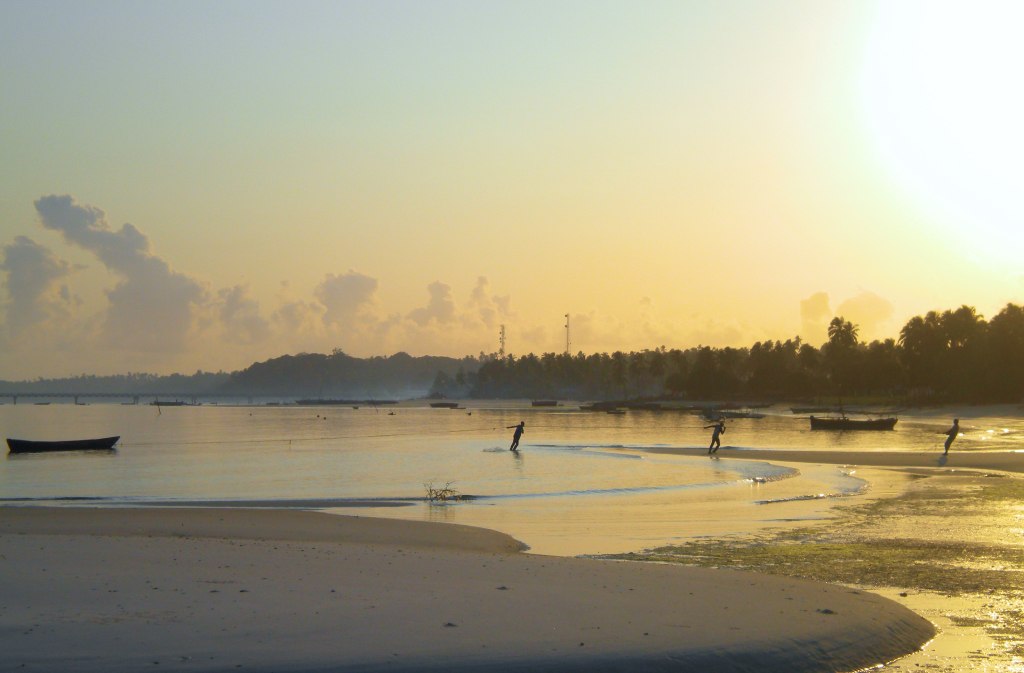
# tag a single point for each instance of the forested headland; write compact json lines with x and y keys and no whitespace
{"x":952,"y":356}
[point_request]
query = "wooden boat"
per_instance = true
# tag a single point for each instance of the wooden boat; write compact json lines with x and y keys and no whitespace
{"x":844,"y":423}
{"x":31,"y":446}
{"x":444,"y":405}
{"x":544,"y":403}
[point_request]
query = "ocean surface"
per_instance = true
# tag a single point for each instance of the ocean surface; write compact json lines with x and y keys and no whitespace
{"x":582,"y":482}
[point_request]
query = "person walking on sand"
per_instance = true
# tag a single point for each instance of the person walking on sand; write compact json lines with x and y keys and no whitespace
{"x":719,"y":428}
{"x":516,"y":435}
{"x":952,"y":433}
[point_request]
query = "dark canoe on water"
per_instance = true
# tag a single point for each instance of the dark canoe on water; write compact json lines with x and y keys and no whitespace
{"x":843,"y":423}
{"x":29,"y":446}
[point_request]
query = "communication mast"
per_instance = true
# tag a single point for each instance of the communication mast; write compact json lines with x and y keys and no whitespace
{"x":567,"y":342}
{"x":501,"y":343}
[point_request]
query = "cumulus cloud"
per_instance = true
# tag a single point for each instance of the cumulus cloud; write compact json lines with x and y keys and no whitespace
{"x":151,"y":308}
{"x":346,"y":297}
{"x":487,"y":308}
{"x":869,"y":311}
{"x":296,"y":315}
{"x":440,"y":308}
{"x":815,"y":314}
{"x":33,"y":295}
{"x":708,"y":331}
{"x":240,"y":315}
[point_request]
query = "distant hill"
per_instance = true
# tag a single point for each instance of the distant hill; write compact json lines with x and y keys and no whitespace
{"x":313,"y":375}
{"x":120,"y":384}
{"x":338,"y":375}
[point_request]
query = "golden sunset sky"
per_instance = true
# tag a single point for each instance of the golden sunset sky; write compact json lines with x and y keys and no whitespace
{"x":199,"y":185}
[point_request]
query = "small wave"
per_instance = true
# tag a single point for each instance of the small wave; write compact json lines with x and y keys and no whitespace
{"x":769,"y":478}
{"x":801,"y":498}
{"x":495,"y":449}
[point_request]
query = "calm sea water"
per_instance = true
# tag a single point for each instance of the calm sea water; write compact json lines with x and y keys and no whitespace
{"x":580,"y":484}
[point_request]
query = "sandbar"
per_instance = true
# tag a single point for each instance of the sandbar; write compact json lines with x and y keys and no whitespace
{"x":1003,"y":461}
{"x":213,"y":589}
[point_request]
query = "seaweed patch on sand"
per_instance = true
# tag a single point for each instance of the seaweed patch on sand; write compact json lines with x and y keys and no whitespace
{"x":950,"y":547}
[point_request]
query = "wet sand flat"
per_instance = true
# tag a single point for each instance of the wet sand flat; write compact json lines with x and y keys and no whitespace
{"x":1006,"y":461}
{"x":89,"y":589}
{"x":942,"y":539}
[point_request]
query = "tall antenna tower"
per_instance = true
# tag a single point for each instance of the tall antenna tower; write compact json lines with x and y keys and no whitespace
{"x":501,"y":343}
{"x":567,"y":342}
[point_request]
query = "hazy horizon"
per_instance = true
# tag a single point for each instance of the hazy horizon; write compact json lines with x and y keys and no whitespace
{"x":400,"y":176}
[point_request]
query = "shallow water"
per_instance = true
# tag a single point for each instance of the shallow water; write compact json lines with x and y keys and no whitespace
{"x":580,"y":484}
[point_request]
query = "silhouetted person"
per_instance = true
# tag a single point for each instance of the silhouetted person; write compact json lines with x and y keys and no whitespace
{"x":516,"y":435}
{"x":719,"y":428}
{"x":952,"y":433}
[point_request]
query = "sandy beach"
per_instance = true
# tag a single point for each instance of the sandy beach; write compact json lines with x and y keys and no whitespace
{"x":203,"y":589}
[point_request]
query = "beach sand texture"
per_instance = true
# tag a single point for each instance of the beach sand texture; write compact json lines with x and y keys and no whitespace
{"x":123,"y":589}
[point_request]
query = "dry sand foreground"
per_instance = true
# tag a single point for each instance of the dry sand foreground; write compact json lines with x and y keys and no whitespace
{"x":276,"y":590}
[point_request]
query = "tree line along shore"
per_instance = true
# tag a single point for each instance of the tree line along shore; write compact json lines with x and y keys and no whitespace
{"x":952,"y":356}
{"x":942,"y":357}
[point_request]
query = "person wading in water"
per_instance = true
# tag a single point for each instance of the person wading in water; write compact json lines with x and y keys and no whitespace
{"x":516,"y":435}
{"x":719,"y":428}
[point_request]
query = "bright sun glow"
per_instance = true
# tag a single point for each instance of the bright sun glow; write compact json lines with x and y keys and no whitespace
{"x":945,"y":104}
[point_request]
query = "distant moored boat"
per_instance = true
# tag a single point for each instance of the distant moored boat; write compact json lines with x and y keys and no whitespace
{"x":844,"y":423}
{"x":32,"y":446}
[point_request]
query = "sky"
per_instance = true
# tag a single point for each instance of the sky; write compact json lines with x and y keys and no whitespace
{"x":192,"y":185}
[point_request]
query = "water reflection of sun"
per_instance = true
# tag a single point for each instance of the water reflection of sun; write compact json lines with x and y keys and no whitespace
{"x":943,"y":100}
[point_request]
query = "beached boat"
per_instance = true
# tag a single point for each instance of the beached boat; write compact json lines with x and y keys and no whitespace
{"x":33,"y":446}
{"x":844,"y":423}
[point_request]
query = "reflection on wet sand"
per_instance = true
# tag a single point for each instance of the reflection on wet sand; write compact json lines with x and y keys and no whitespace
{"x":948,"y":547}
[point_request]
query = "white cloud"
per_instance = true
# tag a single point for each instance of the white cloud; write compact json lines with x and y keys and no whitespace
{"x":488,"y":308}
{"x":440,"y":308}
{"x":240,"y":315}
{"x":33,"y":294}
{"x":815,"y":314}
{"x":870,"y":312}
{"x":151,"y":308}
{"x":346,"y":298}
